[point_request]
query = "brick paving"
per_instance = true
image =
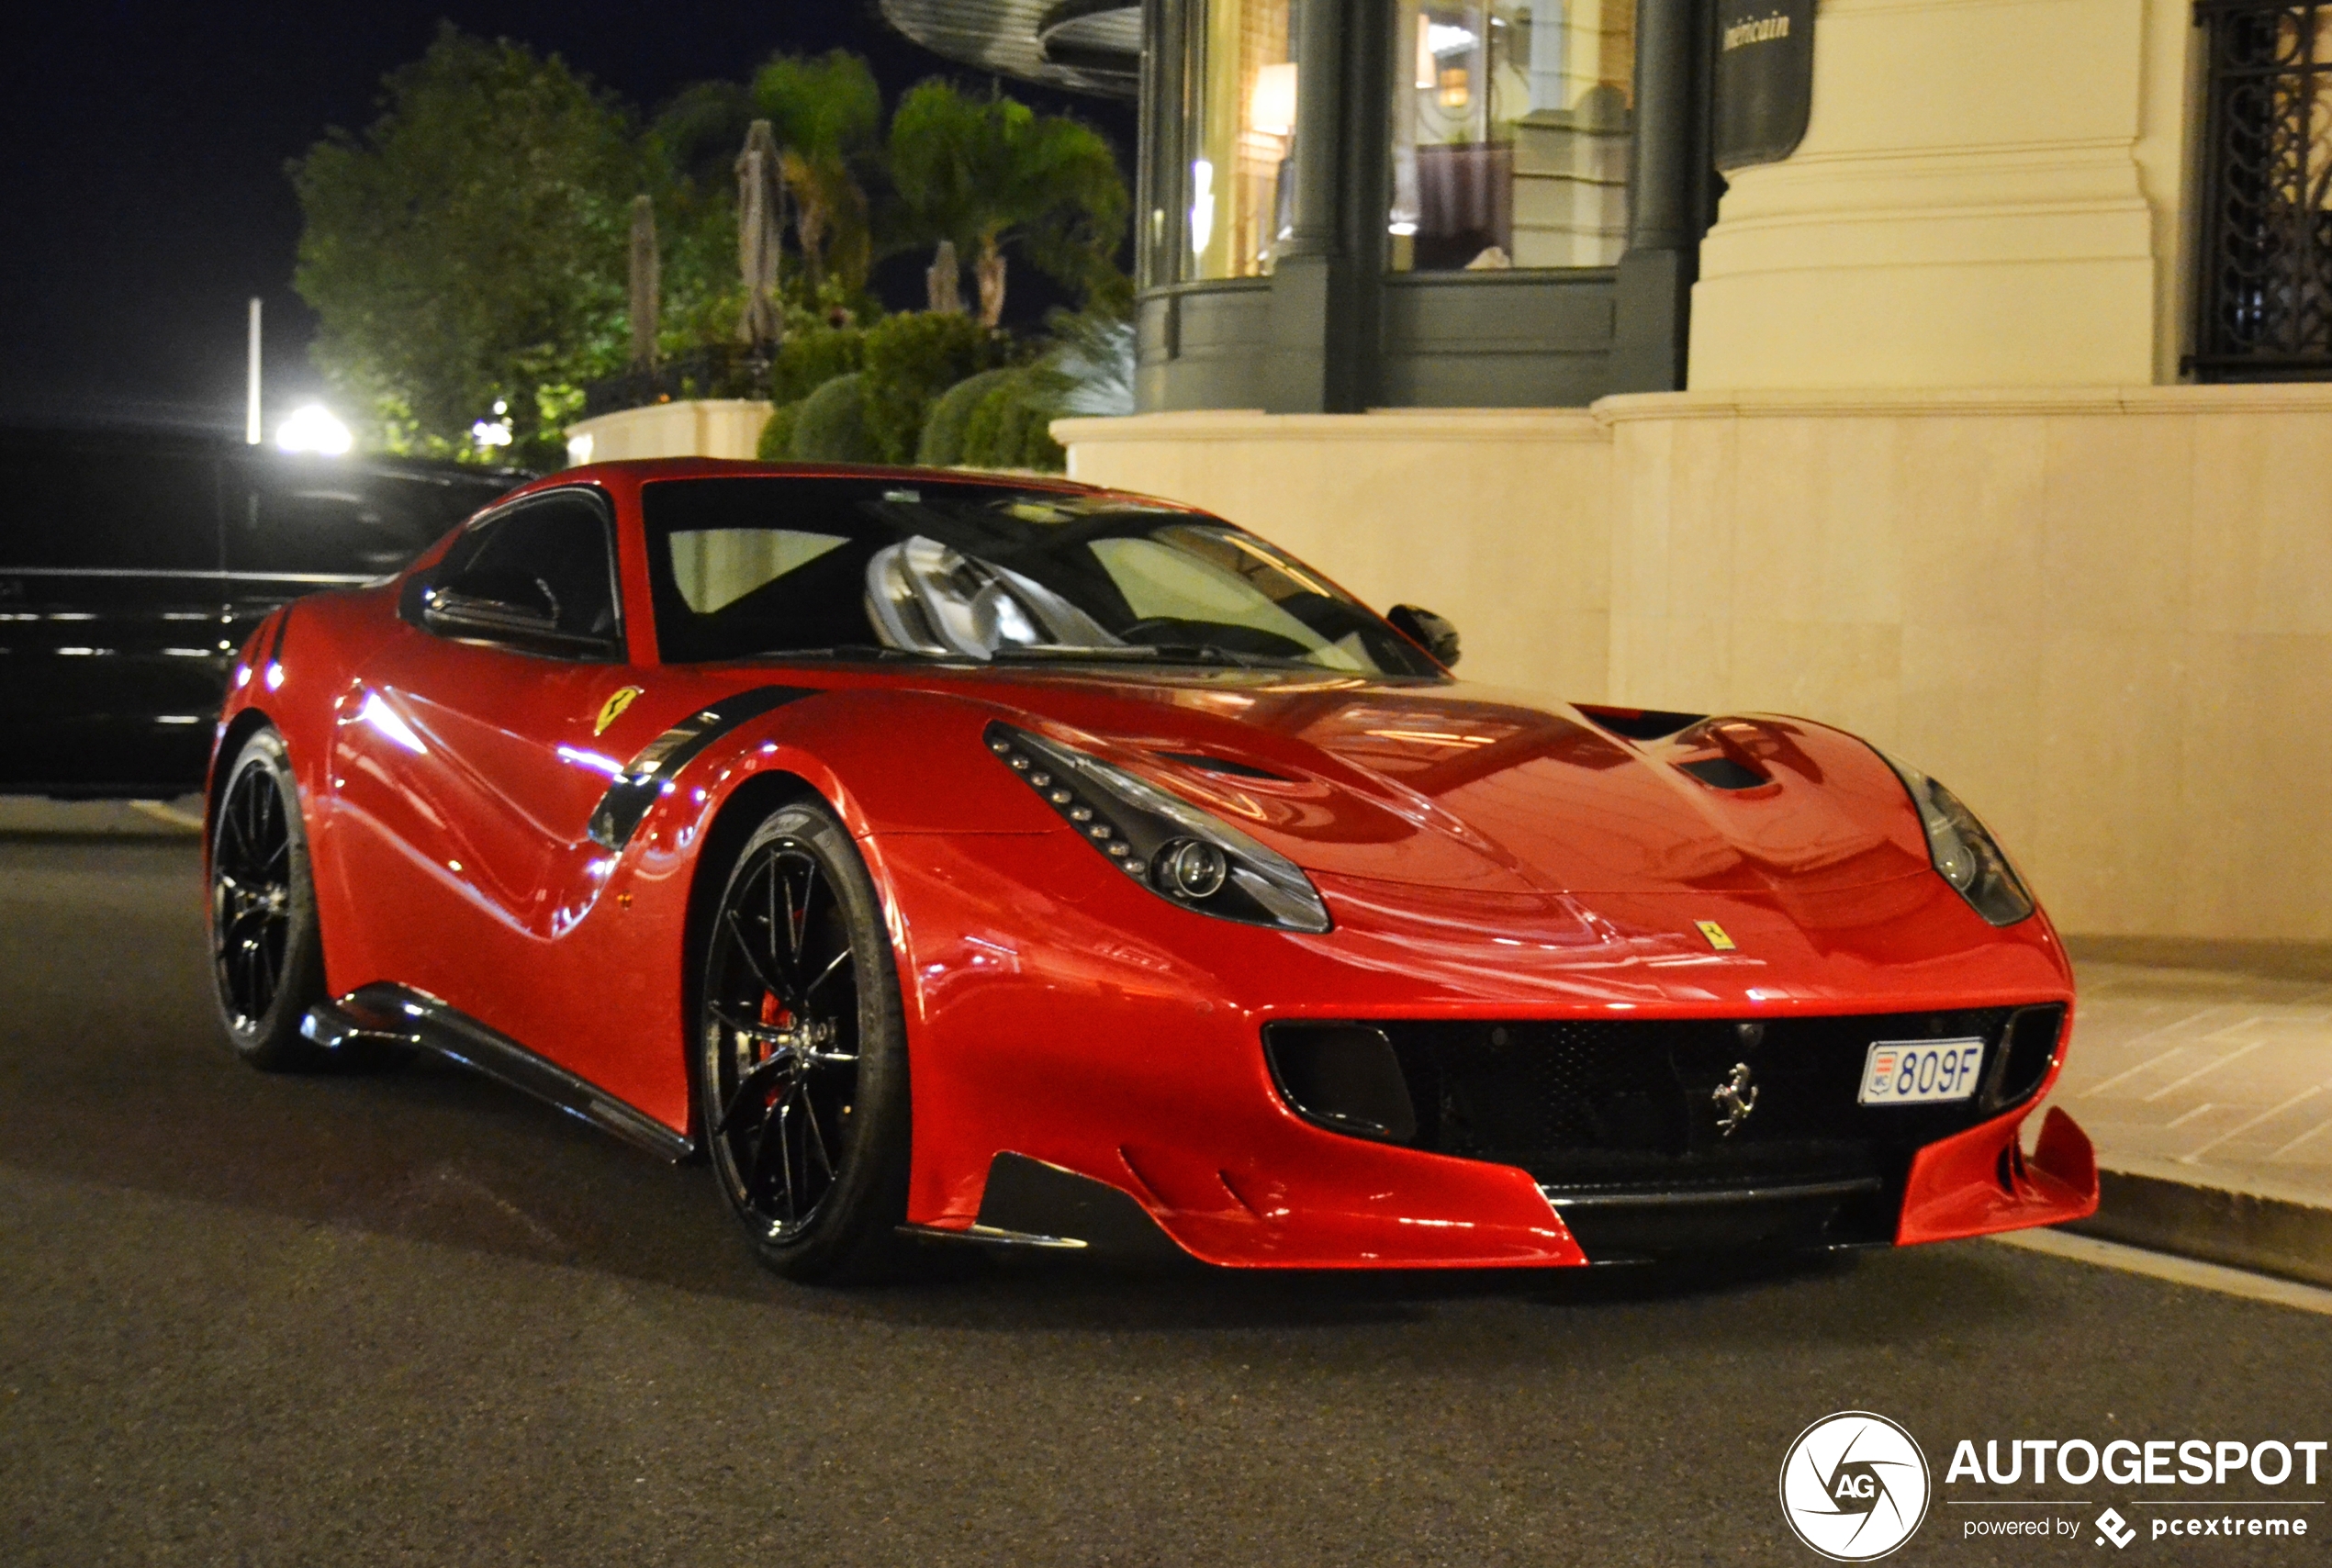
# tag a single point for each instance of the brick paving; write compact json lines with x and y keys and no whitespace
{"x":2206,"y":1074}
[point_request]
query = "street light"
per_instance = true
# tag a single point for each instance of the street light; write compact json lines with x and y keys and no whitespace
{"x":311,"y":428}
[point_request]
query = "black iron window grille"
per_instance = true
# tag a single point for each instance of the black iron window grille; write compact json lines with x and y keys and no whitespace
{"x":2264,"y":290}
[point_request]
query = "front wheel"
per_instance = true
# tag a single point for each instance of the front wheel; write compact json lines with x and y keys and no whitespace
{"x":800,"y":1053}
{"x":267,"y":954}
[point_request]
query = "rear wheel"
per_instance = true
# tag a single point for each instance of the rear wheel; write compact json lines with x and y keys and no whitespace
{"x":800,"y":1055}
{"x":268,"y":955}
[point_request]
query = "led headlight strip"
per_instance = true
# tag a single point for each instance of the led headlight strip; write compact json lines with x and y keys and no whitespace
{"x":1168,"y":846}
{"x":1963,"y":852}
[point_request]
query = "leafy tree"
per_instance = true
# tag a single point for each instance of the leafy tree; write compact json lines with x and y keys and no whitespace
{"x":989,"y":173}
{"x":470,"y":247}
{"x":690,"y":168}
{"x":827,"y":114}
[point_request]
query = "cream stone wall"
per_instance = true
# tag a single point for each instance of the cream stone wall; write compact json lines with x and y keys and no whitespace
{"x":726,"y":427}
{"x":2102,"y":615}
{"x":1988,"y":195}
{"x":1495,"y":517}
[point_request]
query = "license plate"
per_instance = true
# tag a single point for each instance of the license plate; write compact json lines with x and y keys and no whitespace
{"x":1921,"y":1072}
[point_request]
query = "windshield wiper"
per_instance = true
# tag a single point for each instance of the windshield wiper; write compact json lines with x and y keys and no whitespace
{"x":1162,"y":653}
{"x":838,"y":651}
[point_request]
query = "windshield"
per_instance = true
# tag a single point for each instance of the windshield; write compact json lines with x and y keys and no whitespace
{"x":751,"y":568}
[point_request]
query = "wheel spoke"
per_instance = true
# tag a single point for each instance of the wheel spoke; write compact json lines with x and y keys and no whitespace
{"x":753,"y":960}
{"x":757,"y":1080}
{"x":827,"y":973}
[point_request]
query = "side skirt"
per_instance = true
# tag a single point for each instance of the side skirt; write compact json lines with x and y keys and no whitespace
{"x":395,"y":1014}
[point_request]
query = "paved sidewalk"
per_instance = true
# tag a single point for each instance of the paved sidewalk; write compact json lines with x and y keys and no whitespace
{"x":2203,"y":1073}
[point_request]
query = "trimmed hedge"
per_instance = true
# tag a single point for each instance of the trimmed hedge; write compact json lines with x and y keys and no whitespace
{"x":811,"y":356}
{"x":943,"y":434}
{"x":830,"y":425}
{"x":910,"y":358}
{"x":1009,"y":427}
{"x":776,"y":437}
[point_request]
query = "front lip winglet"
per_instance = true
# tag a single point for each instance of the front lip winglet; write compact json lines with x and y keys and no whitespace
{"x":618,"y":815}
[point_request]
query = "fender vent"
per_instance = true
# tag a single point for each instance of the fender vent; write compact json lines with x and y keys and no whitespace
{"x":1205,"y":764}
{"x":1640,"y":723}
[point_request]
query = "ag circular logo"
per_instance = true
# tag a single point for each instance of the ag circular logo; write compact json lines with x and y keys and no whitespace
{"x":1855,"y":1486}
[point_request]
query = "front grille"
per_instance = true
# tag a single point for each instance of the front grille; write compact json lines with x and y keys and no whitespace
{"x":1603,"y":1113}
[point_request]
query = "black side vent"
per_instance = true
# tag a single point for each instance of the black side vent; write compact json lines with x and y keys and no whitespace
{"x":1641,"y":723}
{"x":1343,"y":1076}
{"x":1724,"y":773}
{"x":2027,"y":1053}
{"x":1205,"y":764}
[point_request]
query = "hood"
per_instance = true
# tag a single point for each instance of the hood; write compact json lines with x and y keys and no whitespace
{"x":1471,"y":788}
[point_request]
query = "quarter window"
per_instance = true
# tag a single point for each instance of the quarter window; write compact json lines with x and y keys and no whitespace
{"x":557,"y":552}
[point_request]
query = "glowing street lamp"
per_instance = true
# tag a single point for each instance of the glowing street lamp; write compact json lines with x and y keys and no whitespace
{"x":311,"y":428}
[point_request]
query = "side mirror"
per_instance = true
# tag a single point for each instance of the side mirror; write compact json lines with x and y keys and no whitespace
{"x":503,"y":607}
{"x":1428,"y":631}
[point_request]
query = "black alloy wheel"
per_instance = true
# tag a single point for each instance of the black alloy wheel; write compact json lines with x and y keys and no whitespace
{"x":801,"y":1059}
{"x":267,"y":957}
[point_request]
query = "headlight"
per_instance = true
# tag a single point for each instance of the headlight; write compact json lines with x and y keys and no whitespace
{"x":1965,"y":853}
{"x":1168,"y":846}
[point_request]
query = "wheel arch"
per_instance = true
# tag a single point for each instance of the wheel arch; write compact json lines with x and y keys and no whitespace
{"x":231,"y":739}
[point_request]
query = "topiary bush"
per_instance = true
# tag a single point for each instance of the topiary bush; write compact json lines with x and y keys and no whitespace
{"x":942,"y":445}
{"x":830,"y":425}
{"x":812,"y":356}
{"x":910,"y":360}
{"x":776,"y":437}
{"x":1008,"y":427}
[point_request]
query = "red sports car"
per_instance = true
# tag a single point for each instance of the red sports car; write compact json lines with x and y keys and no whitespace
{"x":1024,"y":862}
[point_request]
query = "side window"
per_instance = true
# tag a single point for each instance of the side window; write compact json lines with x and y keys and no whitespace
{"x":81,"y":503}
{"x":300,"y":519}
{"x":540,"y":578}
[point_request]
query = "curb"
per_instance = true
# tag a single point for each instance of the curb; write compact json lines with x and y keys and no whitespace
{"x":2215,"y":1218}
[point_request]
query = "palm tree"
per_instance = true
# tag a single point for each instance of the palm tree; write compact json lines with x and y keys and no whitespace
{"x":983,"y":173}
{"x":826,"y":112}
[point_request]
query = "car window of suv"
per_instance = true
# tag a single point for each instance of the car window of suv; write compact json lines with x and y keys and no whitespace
{"x":558,"y":551}
{"x":81,"y":503}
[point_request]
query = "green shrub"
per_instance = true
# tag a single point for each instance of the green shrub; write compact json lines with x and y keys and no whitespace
{"x":943,"y":434}
{"x":831,"y":426}
{"x":1008,"y":427}
{"x":812,"y":356}
{"x":910,"y":358}
{"x":776,"y":437}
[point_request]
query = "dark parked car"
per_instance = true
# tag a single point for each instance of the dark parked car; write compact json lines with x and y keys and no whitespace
{"x":132,"y":565}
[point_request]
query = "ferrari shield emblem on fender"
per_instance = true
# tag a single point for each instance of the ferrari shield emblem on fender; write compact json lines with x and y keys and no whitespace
{"x":1734,"y":1098}
{"x":612,"y":709}
{"x":1716,"y":935}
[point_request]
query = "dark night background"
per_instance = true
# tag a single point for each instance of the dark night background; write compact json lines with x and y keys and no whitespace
{"x":142,"y":193}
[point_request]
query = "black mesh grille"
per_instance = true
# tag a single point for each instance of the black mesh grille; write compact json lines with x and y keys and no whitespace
{"x":1605,"y":1106}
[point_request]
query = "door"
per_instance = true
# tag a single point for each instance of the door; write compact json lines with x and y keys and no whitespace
{"x":113,"y":658}
{"x":465,"y":764}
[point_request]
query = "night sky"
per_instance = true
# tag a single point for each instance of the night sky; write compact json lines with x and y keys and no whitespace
{"x":142,"y":193}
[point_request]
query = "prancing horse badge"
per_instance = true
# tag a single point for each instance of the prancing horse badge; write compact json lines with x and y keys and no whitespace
{"x":612,"y":709}
{"x":1716,"y":935}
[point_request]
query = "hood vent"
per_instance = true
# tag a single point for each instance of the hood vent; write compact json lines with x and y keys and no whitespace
{"x":1724,"y":773}
{"x":1205,"y":764}
{"x":1640,"y":723}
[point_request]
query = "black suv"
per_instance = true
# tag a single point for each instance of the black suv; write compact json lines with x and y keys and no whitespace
{"x":132,"y":566}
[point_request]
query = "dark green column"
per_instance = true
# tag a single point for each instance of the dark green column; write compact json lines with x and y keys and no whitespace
{"x":1652,"y":297}
{"x":1323,"y":285}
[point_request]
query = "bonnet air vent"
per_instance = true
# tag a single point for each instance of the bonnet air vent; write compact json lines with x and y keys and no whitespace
{"x":1640,"y":723}
{"x":1724,"y":773}
{"x":1205,"y":764}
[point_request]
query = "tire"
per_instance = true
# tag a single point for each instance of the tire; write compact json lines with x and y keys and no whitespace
{"x":799,"y":1053}
{"x":267,"y":950}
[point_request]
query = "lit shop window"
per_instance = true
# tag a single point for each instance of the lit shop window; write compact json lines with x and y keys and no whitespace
{"x":1241,"y":182}
{"x":1509,"y":136}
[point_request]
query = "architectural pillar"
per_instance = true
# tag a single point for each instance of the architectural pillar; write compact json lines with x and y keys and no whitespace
{"x":1653,"y":289}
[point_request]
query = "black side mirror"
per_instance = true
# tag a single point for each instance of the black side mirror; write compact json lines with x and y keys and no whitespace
{"x":1428,"y":631}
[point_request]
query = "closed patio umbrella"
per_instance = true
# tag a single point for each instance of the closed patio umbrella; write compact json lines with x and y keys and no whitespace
{"x":645,"y":283}
{"x":762,"y":322}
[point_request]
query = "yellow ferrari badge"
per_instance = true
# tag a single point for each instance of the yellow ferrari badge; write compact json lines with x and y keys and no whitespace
{"x":1716,"y":935}
{"x":612,"y":709}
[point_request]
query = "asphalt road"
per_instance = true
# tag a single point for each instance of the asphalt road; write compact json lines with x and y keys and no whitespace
{"x":414,"y":1318}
